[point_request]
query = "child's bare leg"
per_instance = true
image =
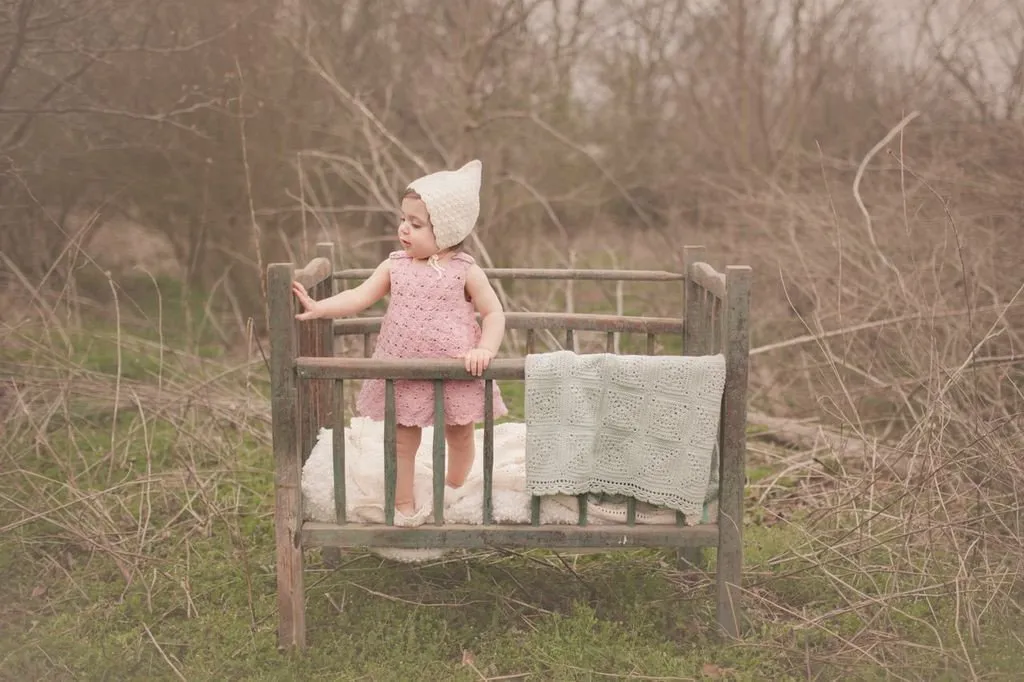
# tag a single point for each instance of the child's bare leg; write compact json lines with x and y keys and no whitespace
{"x":407,"y":440}
{"x":461,"y":451}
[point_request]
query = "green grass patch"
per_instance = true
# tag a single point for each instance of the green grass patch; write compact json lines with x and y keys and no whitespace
{"x":161,"y":309}
{"x":86,"y":595}
{"x":141,"y":546}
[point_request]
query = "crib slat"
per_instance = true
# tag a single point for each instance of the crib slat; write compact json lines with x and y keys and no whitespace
{"x":711,"y":334}
{"x":390,"y":452}
{"x":366,"y":345}
{"x":609,"y":343}
{"x":569,"y":337}
{"x":582,"y":502}
{"x":535,"y":510}
{"x":307,"y":429}
{"x":631,"y":511}
{"x":438,"y":452}
{"x":488,"y":451}
{"x":338,"y":430}
{"x":531,"y":340}
{"x":650,"y":344}
{"x":719,"y":320}
{"x":704,"y":340}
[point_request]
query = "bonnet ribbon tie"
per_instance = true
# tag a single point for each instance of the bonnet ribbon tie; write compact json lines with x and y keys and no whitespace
{"x":435,"y":263}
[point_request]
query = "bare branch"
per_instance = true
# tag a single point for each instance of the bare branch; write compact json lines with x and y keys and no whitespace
{"x":17,"y":134}
{"x":23,"y":15}
{"x":167,"y":117}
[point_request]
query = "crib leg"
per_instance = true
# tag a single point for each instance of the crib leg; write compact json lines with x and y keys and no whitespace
{"x":291,"y":595}
{"x":691,"y":559}
{"x":331,"y":556}
{"x":728,"y":576}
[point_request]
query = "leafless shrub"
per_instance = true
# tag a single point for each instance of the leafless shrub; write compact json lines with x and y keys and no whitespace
{"x":888,"y":298}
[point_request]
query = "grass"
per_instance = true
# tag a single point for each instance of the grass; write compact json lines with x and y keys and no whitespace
{"x":137,"y":543}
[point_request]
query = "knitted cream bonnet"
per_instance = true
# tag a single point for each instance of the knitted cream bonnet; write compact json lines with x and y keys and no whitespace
{"x":453,"y":202}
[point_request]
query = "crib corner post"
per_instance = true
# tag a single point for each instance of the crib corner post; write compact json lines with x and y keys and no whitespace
{"x":287,"y":468}
{"x":693,"y":309}
{"x":735,"y":334}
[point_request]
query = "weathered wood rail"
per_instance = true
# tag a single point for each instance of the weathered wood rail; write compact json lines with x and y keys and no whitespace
{"x":308,"y":392}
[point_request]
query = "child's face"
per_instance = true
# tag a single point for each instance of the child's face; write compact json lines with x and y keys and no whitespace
{"x":415,"y":232}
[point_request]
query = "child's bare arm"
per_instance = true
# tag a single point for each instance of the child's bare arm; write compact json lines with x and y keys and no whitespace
{"x":348,"y":302}
{"x":489,"y":306}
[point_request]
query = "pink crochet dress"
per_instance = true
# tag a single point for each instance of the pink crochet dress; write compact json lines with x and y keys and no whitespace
{"x":428,"y":316}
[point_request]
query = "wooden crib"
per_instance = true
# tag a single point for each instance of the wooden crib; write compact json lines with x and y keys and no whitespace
{"x":308,"y":383}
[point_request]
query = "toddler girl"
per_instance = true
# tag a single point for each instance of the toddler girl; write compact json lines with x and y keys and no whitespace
{"x":435,"y":289}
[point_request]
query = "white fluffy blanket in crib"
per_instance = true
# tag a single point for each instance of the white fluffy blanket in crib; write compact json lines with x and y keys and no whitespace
{"x":364,"y":463}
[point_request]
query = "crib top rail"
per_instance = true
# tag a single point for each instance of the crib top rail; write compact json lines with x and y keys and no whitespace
{"x":701,"y":273}
{"x":695,"y":271}
{"x":552,"y":274}
{"x":422,"y":369}
{"x":550,"y":321}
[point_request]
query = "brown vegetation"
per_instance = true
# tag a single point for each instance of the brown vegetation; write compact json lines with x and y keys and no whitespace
{"x":888,"y":302}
